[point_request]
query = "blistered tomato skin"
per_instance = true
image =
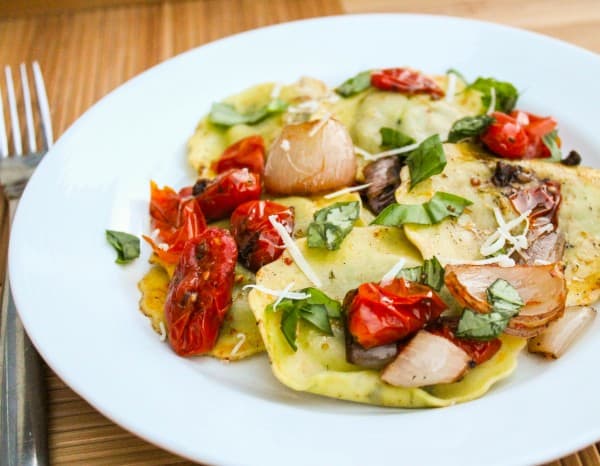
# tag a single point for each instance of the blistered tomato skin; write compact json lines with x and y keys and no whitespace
{"x":247,"y":153}
{"x":199,"y":294}
{"x":378,"y":315}
{"x":219,"y":197}
{"x":258,"y":241}
{"x":405,"y":81}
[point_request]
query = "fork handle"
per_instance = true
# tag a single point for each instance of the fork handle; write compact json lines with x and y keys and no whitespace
{"x":23,"y":423}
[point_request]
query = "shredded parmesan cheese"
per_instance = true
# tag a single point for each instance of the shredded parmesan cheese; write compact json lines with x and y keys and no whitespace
{"x":280,"y":297}
{"x":292,"y":248}
{"x":363,"y":153}
{"x":285,"y":293}
{"x":391,"y":274}
{"x":400,"y":150}
{"x":503,"y":260}
{"x":242,"y":339}
{"x":451,"y":87}
{"x":163,"y":331}
{"x":276,"y":91}
{"x":322,"y":122}
{"x":343,"y":191}
{"x":503,"y":235}
{"x":285,"y":145}
{"x":492,"y":107}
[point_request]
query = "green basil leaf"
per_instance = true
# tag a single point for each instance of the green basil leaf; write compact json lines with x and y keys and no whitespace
{"x":126,"y":245}
{"x":504,"y":297}
{"x":355,"y":85}
{"x":426,"y":160}
{"x":392,"y":138}
{"x":458,"y":74}
{"x":477,"y":326}
{"x":468,"y":127}
{"x":440,"y":206}
{"x":333,"y":307}
{"x":431,"y":273}
{"x":289,"y":325}
{"x":506,"y":93}
{"x":332,"y":224}
{"x":550,"y":141}
{"x":226,"y":115}
{"x":316,"y":314}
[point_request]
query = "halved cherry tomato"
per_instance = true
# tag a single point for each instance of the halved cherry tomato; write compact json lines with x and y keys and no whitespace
{"x":478,"y":351}
{"x":247,"y":153}
{"x":176,"y":219}
{"x":199,"y":294}
{"x":405,"y":81}
{"x":381,"y":314}
{"x":220,"y":196}
{"x":258,"y":242}
{"x":519,"y":135}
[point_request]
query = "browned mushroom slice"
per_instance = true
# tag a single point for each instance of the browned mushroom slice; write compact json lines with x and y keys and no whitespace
{"x":427,"y":359}
{"x":383,"y":177}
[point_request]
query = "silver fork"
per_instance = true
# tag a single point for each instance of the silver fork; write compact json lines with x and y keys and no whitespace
{"x":23,"y":426}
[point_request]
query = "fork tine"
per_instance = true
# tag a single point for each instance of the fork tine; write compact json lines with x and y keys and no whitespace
{"x":31,"y":144}
{"x":3,"y":137}
{"x":12,"y":108}
{"x":42,"y":97}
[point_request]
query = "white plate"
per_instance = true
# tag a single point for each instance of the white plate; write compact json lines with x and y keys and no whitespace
{"x":80,"y":308}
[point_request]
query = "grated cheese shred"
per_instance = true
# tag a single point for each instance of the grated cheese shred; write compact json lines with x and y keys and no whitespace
{"x":451,"y":88}
{"x":242,"y":339}
{"x":322,"y":122}
{"x":285,"y":293}
{"x":350,"y":189}
{"x":294,"y":251}
{"x":391,"y":274}
{"x":163,"y":331}
{"x":492,"y":107}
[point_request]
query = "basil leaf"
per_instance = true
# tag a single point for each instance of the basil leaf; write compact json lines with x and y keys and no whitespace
{"x":392,"y":138}
{"x":431,"y":273}
{"x":426,"y":160}
{"x":355,"y":85}
{"x":468,"y":127}
{"x":505,"y":302}
{"x":506,"y":93}
{"x":126,"y":245}
{"x":225,"y":114}
{"x":457,"y":73}
{"x":440,"y":206}
{"x":332,"y":224}
{"x":317,"y":309}
{"x":549,"y":141}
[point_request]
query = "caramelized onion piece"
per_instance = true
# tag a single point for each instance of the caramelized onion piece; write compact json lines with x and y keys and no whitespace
{"x":311,"y":157}
{"x":543,"y":289}
{"x":427,"y":359}
{"x":559,"y":335}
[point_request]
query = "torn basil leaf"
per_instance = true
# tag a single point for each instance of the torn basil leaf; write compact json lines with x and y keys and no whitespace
{"x":469,"y":127}
{"x":506,"y":303}
{"x":317,"y":309}
{"x":506,"y":93}
{"x":426,"y":160}
{"x":431,"y":273}
{"x":550,"y":141}
{"x":440,"y":206}
{"x":393,"y":139}
{"x":332,"y":224}
{"x":126,"y":245}
{"x":355,"y":85}
{"x":226,"y":115}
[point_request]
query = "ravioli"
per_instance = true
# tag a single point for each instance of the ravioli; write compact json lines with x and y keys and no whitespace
{"x":468,"y":174}
{"x":319,"y":365}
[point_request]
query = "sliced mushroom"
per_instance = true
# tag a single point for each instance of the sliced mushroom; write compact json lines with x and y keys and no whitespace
{"x":547,"y":248}
{"x":559,"y":335}
{"x":311,"y":157}
{"x":427,"y":359}
{"x":372,"y":358}
{"x":383,"y":176}
{"x":543,"y":289}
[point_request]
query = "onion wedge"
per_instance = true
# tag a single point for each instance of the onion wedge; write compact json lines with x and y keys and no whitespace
{"x":559,"y":335}
{"x":427,"y":359}
{"x":543,"y":289}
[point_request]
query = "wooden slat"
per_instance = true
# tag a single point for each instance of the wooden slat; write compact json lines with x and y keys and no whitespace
{"x":85,"y":53}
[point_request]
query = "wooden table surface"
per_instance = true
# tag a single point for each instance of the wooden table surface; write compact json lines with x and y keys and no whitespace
{"x":86,"y":52}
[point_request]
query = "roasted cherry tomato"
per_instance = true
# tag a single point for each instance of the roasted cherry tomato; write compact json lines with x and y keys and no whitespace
{"x":519,"y":135}
{"x":478,"y":351}
{"x":381,"y":314}
{"x":247,"y":153}
{"x":199,"y":294}
{"x":220,"y":196}
{"x":258,"y":242}
{"x":176,"y":218}
{"x":405,"y":81}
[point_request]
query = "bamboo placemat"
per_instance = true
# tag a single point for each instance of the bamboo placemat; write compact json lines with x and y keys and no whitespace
{"x":85,"y":53}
